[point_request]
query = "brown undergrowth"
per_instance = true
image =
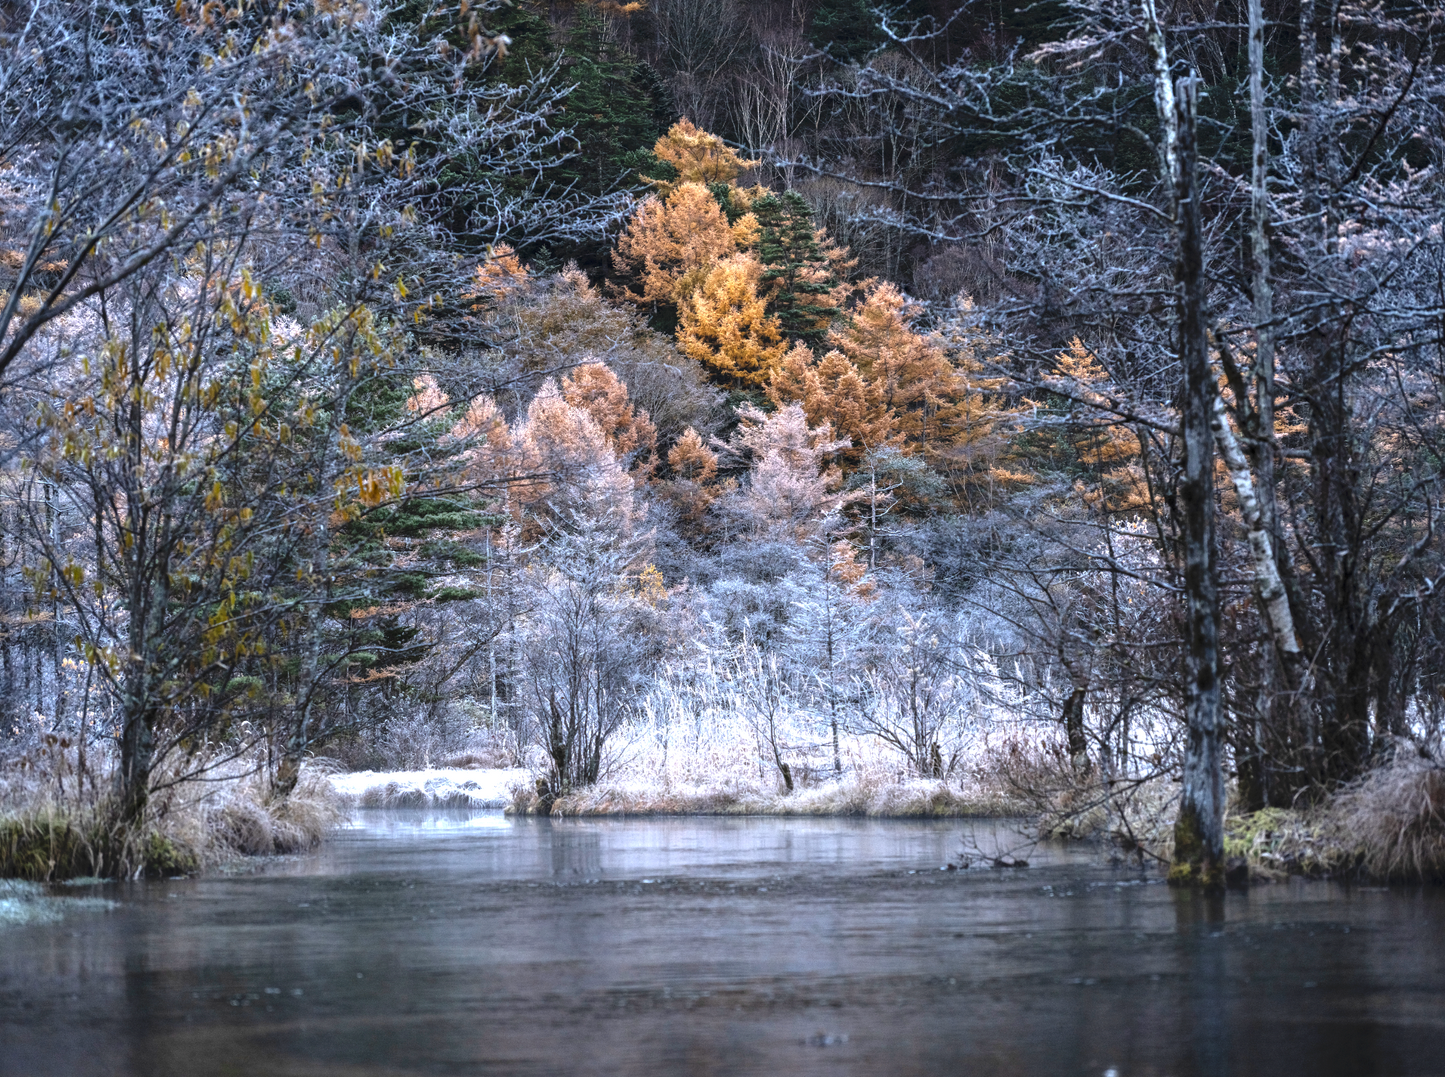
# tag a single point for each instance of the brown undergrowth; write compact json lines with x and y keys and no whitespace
{"x":1131,"y":811}
{"x":190,"y":826}
{"x":1389,"y":826}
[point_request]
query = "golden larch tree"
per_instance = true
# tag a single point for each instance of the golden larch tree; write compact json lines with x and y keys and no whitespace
{"x":582,"y":473}
{"x":671,"y":244}
{"x":595,"y":389}
{"x":1107,"y":447}
{"x":910,"y":371}
{"x":725,"y":325}
{"x":831,"y":390}
{"x":790,"y":379}
{"x":691,"y":459}
{"x":692,"y":487}
{"x":699,"y":157}
{"x":490,"y":454}
{"x":975,"y":422}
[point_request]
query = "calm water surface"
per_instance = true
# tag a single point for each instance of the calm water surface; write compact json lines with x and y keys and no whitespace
{"x":436,"y":943}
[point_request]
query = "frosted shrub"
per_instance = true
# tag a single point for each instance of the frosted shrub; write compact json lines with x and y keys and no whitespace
{"x":585,"y":647}
{"x":422,"y":740}
{"x":917,"y":701}
{"x":735,"y":728}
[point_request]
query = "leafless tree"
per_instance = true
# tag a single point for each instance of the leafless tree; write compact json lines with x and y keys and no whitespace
{"x":586,"y":649}
{"x":1267,"y":308}
{"x":698,"y":41}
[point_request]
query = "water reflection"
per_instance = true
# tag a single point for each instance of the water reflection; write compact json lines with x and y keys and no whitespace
{"x":444,"y":942}
{"x":1200,"y":929}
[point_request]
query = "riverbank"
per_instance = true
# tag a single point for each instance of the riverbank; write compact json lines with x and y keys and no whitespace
{"x":191,"y":827}
{"x":518,"y":792}
{"x":433,"y":787}
{"x":1387,"y":827}
{"x":851,"y":795}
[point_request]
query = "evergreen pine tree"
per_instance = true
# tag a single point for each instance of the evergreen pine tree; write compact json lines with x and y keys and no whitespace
{"x":617,"y":110}
{"x":797,"y":276}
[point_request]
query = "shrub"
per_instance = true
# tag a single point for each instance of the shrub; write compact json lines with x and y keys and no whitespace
{"x":44,"y":845}
{"x":1394,"y":820}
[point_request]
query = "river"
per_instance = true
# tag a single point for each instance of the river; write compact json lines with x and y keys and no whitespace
{"x":434,"y":942}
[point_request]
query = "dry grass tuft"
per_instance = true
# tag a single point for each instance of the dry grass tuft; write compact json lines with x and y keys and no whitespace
{"x":54,"y":841}
{"x":1392,"y":821}
{"x":191,"y":825}
{"x":1388,"y":826}
{"x":48,"y":843}
{"x":246,"y":821}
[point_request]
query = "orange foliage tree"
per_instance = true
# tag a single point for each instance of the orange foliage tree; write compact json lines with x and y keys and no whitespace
{"x":692,"y":488}
{"x":910,"y":371}
{"x":576,"y":472}
{"x":832,"y":390}
{"x":1107,"y":448}
{"x":977,"y":424}
{"x":698,"y":156}
{"x":887,"y":386}
{"x":671,"y":244}
{"x":629,"y":432}
{"x":725,"y":325}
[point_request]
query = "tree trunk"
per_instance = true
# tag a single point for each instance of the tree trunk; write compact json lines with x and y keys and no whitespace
{"x":309,"y":681}
{"x":1268,"y":586}
{"x":1074,"y":729}
{"x":137,"y":753}
{"x":145,"y":550}
{"x":1273,"y":741}
{"x":1199,"y":830}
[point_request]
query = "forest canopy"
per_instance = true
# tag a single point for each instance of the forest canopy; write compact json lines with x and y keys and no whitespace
{"x":1044,"y":401}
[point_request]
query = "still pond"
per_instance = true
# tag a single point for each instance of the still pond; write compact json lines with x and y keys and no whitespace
{"x":438,"y":942}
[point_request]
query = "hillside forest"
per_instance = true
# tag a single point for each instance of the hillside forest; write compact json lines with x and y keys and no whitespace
{"x":1019,"y":408}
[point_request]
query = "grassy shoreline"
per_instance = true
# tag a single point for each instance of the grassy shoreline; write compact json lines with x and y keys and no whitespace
{"x":841,"y":799}
{"x":52,"y":840}
{"x":1387,"y":827}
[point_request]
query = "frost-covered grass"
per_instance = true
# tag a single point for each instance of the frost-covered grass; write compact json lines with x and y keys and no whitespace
{"x":708,"y":752}
{"x":675,"y":759}
{"x":739,"y":735}
{"x":51,"y":832}
{"x":850,"y":795}
{"x":646,"y":779}
{"x":437,"y":787}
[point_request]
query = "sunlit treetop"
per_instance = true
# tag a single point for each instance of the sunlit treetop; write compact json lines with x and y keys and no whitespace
{"x":698,"y":156}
